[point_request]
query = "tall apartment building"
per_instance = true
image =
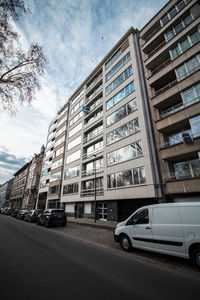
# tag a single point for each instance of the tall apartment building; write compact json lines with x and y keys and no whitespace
{"x":19,"y":186}
{"x":106,"y":140}
{"x":170,"y":45}
{"x":51,"y":176}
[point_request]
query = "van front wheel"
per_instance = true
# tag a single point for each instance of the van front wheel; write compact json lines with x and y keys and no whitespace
{"x":195,"y":255}
{"x":125,"y":243}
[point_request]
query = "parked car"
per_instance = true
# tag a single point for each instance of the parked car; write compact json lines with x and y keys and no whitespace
{"x":4,"y":210}
{"x":52,"y":217}
{"x":8,"y":211}
{"x":14,"y":212}
{"x":172,"y":228}
{"x":32,"y":215}
{"x":21,"y":213}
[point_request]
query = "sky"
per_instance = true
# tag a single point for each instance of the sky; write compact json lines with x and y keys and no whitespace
{"x":75,"y":35}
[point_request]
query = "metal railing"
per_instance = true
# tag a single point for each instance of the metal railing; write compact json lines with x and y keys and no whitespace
{"x":93,"y":120}
{"x":96,"y":104}
{"x":96,"y":91}
{"x":92,"y":171}
{"x":178,"y":107}
{"x":92,"y":136}
{"x":91,"y":192}
{"x":185,"y":175}
{"x":161,"y":66}
{"x":88,"y":155}
{"x":93,"y":82}
{"x":166,"y":87}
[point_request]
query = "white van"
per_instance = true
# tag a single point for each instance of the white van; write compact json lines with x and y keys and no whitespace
{"x":171,"y":228}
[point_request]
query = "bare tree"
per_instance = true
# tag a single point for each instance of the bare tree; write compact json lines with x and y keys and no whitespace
{"x":19,"y":69}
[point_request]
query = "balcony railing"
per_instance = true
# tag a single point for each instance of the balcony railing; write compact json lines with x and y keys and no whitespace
{"x":156,"y":49}
{"x":92,"y":171}
{"x":93,"y":82}
{"x":160,"y":67}
{"x":91,"y":192}
{"x":184,"y":175}
{"x":96,"y":104}
{"x":88,"y":155}
{"x":179,"y":139}
{"x":96,"y":91}
{"x":93,"y":120}
{"x":178,"y":107}
{"x":91,"y":136}
{"x":166,"y":87}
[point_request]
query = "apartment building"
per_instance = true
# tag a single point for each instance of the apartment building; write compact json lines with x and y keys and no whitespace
{"x":33,"y":179}
{"x":170,"y":46}
{"x":19,"y":186}
{"x":52,"y":168}
{"x":5,"y":190}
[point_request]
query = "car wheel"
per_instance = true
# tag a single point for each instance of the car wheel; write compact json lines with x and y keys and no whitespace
{"x":195,"y":256}
{"x":47,"y":224}
{"x":125,"y":243}
{"x":38,"y":222}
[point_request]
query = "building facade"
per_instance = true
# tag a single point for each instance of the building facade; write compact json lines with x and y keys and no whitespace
{"x":5,"y":191}
{"x":33,"y":179}
{"x":170,"y":46}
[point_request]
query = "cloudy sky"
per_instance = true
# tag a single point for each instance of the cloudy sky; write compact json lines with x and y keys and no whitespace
{"x":75,"y":35}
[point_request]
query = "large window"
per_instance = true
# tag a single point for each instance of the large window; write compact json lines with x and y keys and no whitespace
{"x":74,"y":156}
{"x":185,"y":44}
{"x":72,"y":172}
{"x":123,"y":154}
{"x":54,"y":189}
{"x":187,"y":169}
{"x":94,"y":166}
{"x":62,"y":120}
{"x":76,"y":118}
{"x":121,"y":78}
{"x":74,"y":143}
{"x":173,"y":11}
{"x":113,"y":58}
{"x":58,"y":152}
{"x":191,"y":95}
{"x":75,"y":129}
{"x":70,"y":188}
{"x":61,"y":130}
{"x":188,"y":68}
{"x":56,"y":176}
{"x":58,"y":142}
{"x":122,"y":112}
{"x":78,"y":96}
{"x":57,"y":164}
{"x":127,"y":178}
{"x":93,"y":133}
{"x":178,"y":28}
{"x":130,"y":88}
{"x":118,"y":66}
{"x":122,"y":132}
{"x":97,"y":115}
{"x":195,"y":125}
{"x":95,"y":148}
{"x":76,"y":107}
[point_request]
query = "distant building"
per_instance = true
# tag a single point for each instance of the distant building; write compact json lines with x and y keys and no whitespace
{"x":5,"y":190}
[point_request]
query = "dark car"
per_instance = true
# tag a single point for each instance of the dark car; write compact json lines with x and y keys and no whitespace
{"x":32,"y":215}
{"x":8,"y":211}
{"x":21,"y":213}
{"x":14,"y":212}
{"x":52,"y":217}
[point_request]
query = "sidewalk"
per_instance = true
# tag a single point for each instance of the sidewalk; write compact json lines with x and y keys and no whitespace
{"x":109,"y":225}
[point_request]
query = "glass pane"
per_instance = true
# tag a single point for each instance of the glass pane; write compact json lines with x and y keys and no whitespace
{"x":192,"y":65}
{"x":185,"y":45}
{"x":175,"y":52}
{"x":188,"y":95}
{"x":195,"y":37}
{"x":181,"y":73}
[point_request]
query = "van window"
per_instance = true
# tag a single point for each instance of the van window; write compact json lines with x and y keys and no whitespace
{"x":141,"y":217}
{"x":190,"y":215}
{"x":166,"y":215}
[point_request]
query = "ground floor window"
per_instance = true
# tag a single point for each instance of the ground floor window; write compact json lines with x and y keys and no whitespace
{"x":102,"y":211}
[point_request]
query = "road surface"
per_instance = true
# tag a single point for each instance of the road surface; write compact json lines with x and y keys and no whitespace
{"x":39,"y":263}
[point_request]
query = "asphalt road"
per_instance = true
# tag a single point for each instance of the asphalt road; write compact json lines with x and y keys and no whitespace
{"x":39,"y":263}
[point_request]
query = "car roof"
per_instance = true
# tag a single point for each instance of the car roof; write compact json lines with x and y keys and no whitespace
{"x":172,"y":204}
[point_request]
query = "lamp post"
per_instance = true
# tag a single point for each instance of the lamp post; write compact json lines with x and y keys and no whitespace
{"x":95,"y":191}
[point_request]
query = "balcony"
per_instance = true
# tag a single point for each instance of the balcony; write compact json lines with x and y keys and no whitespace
{"x":92,"y":136}
{"x":89,"y":155}
{"x":91,"y":192}
{"x":93,"y":82}
{"x":165,"y":88}
{"x":95,"y":104}
{"x":94,"y":93}
{"x":92,"y":171}
{"x":185,"y":170}
{"x":93,"y":120}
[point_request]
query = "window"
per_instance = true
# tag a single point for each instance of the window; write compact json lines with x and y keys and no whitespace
{"x":121,"y":78}
{"x":127,"y":178}
{"x":75,"y":129}
{"x":76,"y":118}
{"x":62,"y":120}
{"x":74,"y":156}
{"x":61,"y":130}
{"x":74,"y":143}
{"x":122,"y":112}
{"x":141,"y":217}
{"x":188,"y":68}
{"x":170,"y":14}
{"x":95,"y":148}
{"x":57,"y":164}
{"x":58,"y":152}
{"x":70,"y":188}
{"x":123,"y":154}
{"x":58,"y":142}
{"x":93,"y":133}
{"x":178,"y":28}
{"x":195,"y":125}
{"x":56,"y":176}
{"x":77,"y":96}
{"x":187,"y":169}
{"x":130,"y":88}
{"x":54,"y":189}
{"x":92,"y":166}
{"x":72,"y":172}
{"x":76,"y":107}
{"x":118,"y":66}
{"x":177,"y":137}
{"x":122,"y":132}
{"x":113,"y":58}
{"x":191,"y":95}
{"x":97,"y":115}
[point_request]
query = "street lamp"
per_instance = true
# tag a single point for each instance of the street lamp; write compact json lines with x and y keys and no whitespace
{"x":95,"y":191}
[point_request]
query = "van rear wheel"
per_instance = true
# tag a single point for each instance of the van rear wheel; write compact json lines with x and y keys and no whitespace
{"x":195,"y":255}
{"x":125,"y":243}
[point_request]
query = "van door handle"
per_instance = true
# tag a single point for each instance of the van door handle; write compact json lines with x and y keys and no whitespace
{"x":148,"y":227}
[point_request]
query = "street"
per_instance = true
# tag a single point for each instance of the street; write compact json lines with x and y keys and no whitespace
{"x":40,"y":263}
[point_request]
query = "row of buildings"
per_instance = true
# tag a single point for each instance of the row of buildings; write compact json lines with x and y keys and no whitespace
{"x":130,"y":134}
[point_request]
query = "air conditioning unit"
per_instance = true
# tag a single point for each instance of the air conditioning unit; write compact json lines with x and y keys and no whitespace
{"x":187,"y":139}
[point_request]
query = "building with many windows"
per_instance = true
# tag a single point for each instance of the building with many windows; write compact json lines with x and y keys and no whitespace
{"x":170,"y":46}
{"x":5,"y":190}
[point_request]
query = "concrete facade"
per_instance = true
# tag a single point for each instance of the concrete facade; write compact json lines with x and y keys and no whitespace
{"x":5,"y":191}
